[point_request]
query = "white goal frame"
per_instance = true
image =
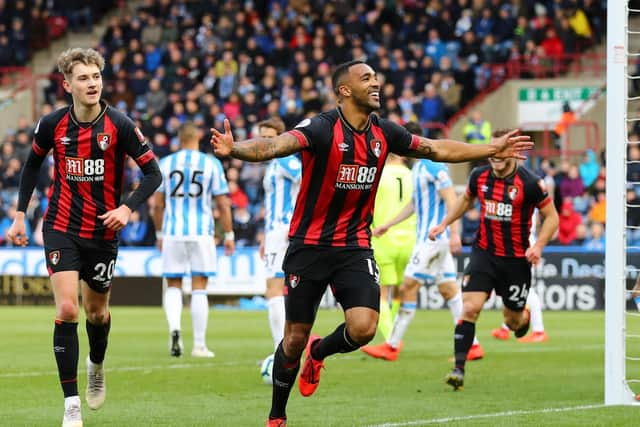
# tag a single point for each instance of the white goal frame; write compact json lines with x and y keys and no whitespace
{"x":616,"y":389}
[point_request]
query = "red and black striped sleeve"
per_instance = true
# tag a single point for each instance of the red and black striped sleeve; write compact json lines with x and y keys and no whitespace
{"x":472,"y":184}
{"x":135,"y":145}
{"x":40,"y":146}
{"x":400,"y":140}
{"x":535,"y":189}
{"x":312,"y":133}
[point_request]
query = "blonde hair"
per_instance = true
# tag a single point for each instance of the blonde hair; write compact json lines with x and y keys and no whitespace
{"x":275,"y":123}
{"x":187,"y":132}
{"x":75,"y":55}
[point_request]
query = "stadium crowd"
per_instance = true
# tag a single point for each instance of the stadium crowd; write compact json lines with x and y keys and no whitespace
{"x":171,"y":61}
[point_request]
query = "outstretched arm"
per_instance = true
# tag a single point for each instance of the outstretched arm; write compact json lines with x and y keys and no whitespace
{"x":463,"y":204}
{"x":401,"y":216}
{"x":549,"y":226}
{"x":447,"y":150}
{"x":449,"y":196}
{"x":253,"y":150}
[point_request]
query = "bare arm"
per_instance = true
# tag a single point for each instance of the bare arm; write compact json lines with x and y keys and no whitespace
{"x":447,"y":150}
{"x":405,"y":213}
{"x":449,"y":196}
{"x":462,"y":204}
{"x":224,"y":206}
{"x":455,"y":242}
{"x":549,"y":227}
{"x":253,"y":150}
{"x":158,"y":212}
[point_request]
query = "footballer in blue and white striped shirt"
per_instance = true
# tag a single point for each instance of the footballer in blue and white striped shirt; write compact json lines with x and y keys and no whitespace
{"x":281,"y":184}
{"x":191,"y":179}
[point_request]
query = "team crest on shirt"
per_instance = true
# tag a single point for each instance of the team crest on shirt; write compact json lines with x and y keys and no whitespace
{"x":513,"y":192}
{"x":54,"y":257}
{"x":376,"y":147}
{"x":294,"y":279}
{"x":104,"y":140}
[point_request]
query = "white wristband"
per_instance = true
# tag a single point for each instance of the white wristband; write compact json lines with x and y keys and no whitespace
{"x":229,"y":235}
{"x":159,"y":235}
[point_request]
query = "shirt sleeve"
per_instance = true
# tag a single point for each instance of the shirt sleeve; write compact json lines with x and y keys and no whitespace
{"x":399,"y":140}
{"x":312,"y":133}
{"x":536,"y":192}
{"x":42,"y":138}
{"x":472,"y":184}
{"x":134,"y":143}
{"x":291,"y":167}
{"x":441,"y":177}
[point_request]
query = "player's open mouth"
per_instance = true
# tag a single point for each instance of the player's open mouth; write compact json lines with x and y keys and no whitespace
{"x":375,"y":95}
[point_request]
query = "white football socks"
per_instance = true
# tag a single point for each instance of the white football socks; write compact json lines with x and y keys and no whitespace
{"x":199,"y":316}
{"x":535,"y":308}
{"x":173,"y":307}
{"x":275,"y":311}
{"x":401,"y":323}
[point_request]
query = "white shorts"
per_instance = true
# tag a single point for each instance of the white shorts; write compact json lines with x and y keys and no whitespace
{"x":276,"y":242}
{"x":188,"y":256}
{"x":431,"y":262}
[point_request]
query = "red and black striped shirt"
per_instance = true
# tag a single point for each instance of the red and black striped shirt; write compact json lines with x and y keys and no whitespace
{"x":89,"y":161}
{"x":341,"y":168}
{"x":506,"y":208}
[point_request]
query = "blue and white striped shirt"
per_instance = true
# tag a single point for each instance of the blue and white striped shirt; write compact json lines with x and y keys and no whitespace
{"x":281,"y":184}
{"x":190,"y":179}
{"x":429,"y":178}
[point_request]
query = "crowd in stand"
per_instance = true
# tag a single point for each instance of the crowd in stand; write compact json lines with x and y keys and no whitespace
{"x":171,"y":61}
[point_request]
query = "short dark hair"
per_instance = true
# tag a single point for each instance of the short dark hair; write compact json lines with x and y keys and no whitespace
{"x":340,"y":71}
{"x":414,"y":128}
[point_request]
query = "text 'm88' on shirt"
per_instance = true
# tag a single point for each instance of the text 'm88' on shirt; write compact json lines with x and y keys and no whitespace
{"x":89,"y":161}
{"x":506,"y":209}
{"x":341,"y":168}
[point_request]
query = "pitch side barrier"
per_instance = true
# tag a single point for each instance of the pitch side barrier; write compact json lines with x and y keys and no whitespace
{"x":567,"y":278}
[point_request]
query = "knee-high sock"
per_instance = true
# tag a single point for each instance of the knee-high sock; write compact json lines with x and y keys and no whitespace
{"x":535,"y":307}
{"x":98,"y":339}
{"x":455,"y":306}
{"x":338,"y":341}
{"x":173,"y":307}
{"x":395,"y":307}
{"x":65,"y":349}
{"x":199,"y":316}
{"x":400,"y":325}
{"x":385,"y":322}
{"x":462,"y":340}
{"x":275,"y":311}
{"x":284,"y":376}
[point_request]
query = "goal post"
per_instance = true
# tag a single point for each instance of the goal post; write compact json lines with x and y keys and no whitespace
{"x":616,"y":390}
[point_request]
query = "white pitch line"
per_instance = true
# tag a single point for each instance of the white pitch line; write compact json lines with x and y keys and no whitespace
{"x":134,"y":368}
{"x":494,"y":415}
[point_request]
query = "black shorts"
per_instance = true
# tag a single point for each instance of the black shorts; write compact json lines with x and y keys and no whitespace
{"x":352,"y":274}
{"x":510,"y":277}
{"x":95,"y":260}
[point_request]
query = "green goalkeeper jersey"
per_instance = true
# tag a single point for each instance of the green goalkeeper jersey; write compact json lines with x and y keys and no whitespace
{"x":394,"y":192}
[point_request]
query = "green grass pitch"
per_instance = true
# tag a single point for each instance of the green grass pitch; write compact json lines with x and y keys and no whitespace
{"x":558,"y":383}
